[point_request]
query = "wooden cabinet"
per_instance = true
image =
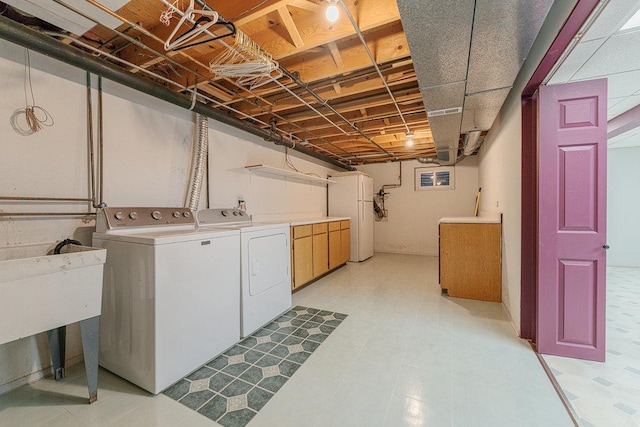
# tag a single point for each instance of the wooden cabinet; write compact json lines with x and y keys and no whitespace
{"x":471,"y":260}
{"x":345,"y":241}
{"x":335,"y":249}
{"x":301,"y":255}
{"x":317,"y":249}
{"x":320,"y":249}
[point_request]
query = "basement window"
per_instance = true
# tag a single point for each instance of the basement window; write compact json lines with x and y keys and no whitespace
{"x":434,"y":178}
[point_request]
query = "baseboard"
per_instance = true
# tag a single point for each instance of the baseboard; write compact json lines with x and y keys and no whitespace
{"x":36,"y":376}
{"x":391,"y":251}
{"x":510,"y":317}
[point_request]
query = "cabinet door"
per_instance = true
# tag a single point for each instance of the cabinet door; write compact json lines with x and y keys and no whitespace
{"x":335,"y":249}
{"x":470,"y":261}
{"x":320,"y":254}
{"x":345,"y":245}
{"x":302,"y":261}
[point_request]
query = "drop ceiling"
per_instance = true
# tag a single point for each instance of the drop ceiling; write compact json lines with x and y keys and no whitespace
{"x":330,"y":99}
{"x":607,"y":51}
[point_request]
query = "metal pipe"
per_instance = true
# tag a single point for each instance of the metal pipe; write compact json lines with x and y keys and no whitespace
{"x":325,"y":103}
{"x":45,"y":199}
{"x":31,"y":39}
{"x":275,"y":80}
{"x":194,"y":93}
{"x":154,"y":37}
{"x":399,"y":184}
{"x":25,"y":214}
{"x":100,"y":195}
{"x":92,"y":172}
{"x":373,"y":60}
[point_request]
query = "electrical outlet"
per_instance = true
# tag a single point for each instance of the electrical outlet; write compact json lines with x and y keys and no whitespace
{"x":242,"y":204}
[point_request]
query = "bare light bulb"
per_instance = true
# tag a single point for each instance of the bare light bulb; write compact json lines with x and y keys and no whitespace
{"x":409,"y":139}
{"x":332,"y":13}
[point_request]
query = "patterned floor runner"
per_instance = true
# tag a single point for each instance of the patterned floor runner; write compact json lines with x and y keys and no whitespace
{"x":234,"y":386}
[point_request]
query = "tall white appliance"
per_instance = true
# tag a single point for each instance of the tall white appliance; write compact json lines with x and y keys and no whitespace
{"x":352,"y":196}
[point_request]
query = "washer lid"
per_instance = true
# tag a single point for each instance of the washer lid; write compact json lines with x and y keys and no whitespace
{"x":164,"y":237}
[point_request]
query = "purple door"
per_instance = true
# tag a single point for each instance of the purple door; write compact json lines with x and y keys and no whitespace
{"x":572,"y":150}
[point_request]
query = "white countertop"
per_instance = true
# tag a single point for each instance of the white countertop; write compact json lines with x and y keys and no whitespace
{"x":299,"y":218}
{"x":319,"y":220}
{"x":470,"y":220}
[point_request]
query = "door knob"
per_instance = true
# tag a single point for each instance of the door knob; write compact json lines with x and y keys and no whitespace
{"x":605,"y":246}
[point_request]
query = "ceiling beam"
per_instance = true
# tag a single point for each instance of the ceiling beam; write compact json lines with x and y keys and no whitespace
{"x":286,"y":19}
{"x":335,"y":54}
{"x":307,"y":5}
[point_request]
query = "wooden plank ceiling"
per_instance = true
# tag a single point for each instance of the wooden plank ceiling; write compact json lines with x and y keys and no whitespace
{"x":328,"y":58}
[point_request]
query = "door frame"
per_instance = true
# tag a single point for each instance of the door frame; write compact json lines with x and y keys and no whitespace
{"x":529,"y":197}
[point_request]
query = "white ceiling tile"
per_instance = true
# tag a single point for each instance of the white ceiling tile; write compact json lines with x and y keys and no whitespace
{"x":622,"y":106}
{"x":616,"y":55}
{"x":630,"y":141}
{"x":614,"y":15}
{"x":623,"y":84}
{"x":580,"y":54}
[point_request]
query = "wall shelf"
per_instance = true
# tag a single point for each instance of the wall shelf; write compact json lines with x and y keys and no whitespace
{"x":271,"y":172}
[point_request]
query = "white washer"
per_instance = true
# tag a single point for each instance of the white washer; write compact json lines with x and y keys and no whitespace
{"x":171,"y":294}
{"x":265,"y":255}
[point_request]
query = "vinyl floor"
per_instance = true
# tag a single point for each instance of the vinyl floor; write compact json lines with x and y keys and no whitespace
{"x":404,"y":356}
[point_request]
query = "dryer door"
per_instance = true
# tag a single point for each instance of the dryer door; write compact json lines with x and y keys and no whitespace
{"x":268,"y":262}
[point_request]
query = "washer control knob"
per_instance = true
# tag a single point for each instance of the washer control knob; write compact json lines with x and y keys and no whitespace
{"x":235,"y":213}
{"x":133,"y":215}
{"x":118,"y":215}
{"x":157,"y":215}
{"x":224,"y":213}
{"x":176,"y":214}
{"x":240,"y":213}
{"x":186,"y":214}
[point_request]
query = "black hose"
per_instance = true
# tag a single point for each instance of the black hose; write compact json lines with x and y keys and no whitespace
{"x":64,"y":243}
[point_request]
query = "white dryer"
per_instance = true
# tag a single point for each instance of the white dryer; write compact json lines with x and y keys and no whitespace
{"x":171,"y":294}
{"x":265,"y":255}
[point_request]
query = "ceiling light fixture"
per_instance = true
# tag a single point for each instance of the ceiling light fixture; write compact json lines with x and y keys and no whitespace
{"x":633,"y":22}
{"x":332,"y":13}
{"x":409,"y":139}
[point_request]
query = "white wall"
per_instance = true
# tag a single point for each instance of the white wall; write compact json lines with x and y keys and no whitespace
{"x":623,"y":205}
{"x":231,"y":151}
{"x":147,"y":162}
{"x":500,"y":163}
{"x":500,"y":178}
{"x":412,"y":226}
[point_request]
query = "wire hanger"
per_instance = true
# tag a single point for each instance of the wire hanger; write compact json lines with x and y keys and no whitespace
{"x":207,"y":19}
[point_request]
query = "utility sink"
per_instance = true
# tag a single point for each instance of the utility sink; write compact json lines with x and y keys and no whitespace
{"x":40,"y":292}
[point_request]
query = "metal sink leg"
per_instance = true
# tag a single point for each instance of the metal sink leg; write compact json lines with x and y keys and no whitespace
{"x":89,"y":329}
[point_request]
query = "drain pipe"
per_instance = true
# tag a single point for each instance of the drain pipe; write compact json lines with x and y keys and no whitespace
{"x":34,"y":40}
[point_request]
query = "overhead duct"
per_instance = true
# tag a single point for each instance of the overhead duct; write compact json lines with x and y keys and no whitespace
{"x":38,"y":42}
{"x":468,"y":53}
{"x":471,"y":142}
{"x":62,"y":17}
{"x":428,"y":161}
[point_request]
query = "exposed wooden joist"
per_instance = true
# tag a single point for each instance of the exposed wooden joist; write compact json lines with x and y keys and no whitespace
{"x":286,"y":19}
{"x":307,"y":5}
{"x":335,"y":54}
{"x":260,"y":12}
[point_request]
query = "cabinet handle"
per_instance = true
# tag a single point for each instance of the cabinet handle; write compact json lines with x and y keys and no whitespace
{"x":605,"y":247}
